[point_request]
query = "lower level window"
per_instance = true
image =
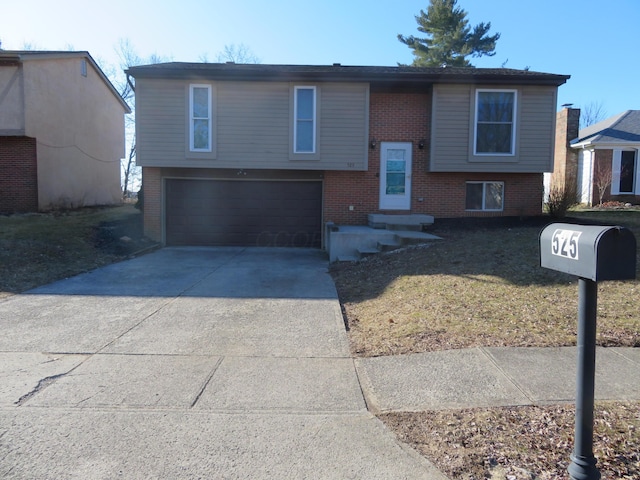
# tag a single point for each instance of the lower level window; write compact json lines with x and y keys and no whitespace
{"x":485,"y":196}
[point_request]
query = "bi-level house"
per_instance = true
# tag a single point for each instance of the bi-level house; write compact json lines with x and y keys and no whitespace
{"x":61,"y":132}
{"x":238,"y":154}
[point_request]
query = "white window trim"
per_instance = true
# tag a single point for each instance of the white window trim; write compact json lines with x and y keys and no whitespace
{"x":314,"y":119}
{"x":513,"y":124}
{"x":192,"y":118}
{"x":484,"y":209}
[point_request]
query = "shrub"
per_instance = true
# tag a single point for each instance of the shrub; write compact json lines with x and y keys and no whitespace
{"x":561,"y":199}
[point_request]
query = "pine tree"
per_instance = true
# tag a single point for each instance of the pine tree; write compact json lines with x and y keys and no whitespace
{"x":449,"y":39}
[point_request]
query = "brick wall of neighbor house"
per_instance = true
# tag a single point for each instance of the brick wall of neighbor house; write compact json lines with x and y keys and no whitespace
{"x":565,"y":158}
{"x":152,"y":202}
{"x":407,"y":118}
{"x":18,"y":175}
{"x":602,"y":178}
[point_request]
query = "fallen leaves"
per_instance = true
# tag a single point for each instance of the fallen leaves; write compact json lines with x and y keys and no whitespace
{"x":532,"y":442}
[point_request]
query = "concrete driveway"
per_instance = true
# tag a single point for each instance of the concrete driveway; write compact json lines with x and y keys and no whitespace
{"x":217,"y":363}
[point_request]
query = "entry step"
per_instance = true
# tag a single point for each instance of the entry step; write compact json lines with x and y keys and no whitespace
{"x":399,"y":222}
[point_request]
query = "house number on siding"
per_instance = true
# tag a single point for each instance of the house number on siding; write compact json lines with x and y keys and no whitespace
{"x":564,"y":243}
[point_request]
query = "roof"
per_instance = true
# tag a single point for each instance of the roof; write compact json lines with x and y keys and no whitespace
{"x":337,"y":72}
{"x":14,"y":57}
{"x":620,"y":129}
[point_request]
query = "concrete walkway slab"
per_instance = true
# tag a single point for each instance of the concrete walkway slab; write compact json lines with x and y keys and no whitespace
{"x":548,"y":375}
{"x":244,"y":277}
{"x":437,"y":380}
{"x":240,"y":326}
{"x":22,"y":373}
{"x":632,"y":354}
{"x":164,"y":273}
{"x":284,"y":384}
{"x":69,"y":323}
{"x":81,"y":444}
{"x":148,"y":381}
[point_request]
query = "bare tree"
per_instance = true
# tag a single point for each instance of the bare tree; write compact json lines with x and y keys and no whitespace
{"x":237,"y":54}
{"x":602,"y":179}
{"x":129,"y":58}
{"x":592,"y":113}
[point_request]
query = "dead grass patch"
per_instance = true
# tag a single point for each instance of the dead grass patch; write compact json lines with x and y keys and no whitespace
{"x":520,"y":443}
{"x":476,"y":287}
{"x":36,"y":249}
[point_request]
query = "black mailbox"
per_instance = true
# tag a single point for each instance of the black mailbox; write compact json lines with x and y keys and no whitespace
{"x":592,"y":252}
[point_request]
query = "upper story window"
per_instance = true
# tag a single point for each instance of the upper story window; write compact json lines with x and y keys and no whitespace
{"x":200,"y":118}
{"x":495,"y":122}
{"x":304,"y":127}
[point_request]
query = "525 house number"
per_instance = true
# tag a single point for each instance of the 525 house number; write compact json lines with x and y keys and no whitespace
{"x":564,"y":243}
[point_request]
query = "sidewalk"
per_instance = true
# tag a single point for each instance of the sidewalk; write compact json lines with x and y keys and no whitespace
{"x":489,"y":377}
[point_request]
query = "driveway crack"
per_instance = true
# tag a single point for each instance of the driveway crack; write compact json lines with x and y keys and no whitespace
{"x":42,"y":384}
{"x":207,"y":381}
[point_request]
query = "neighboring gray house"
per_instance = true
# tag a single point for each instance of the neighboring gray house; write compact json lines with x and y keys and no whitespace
{"x":608,"y":159}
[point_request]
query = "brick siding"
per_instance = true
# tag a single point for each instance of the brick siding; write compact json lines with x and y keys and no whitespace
{"x":350,"y":196}
{"x":18,"y":175}
{"x":152,"y":202}
{"x":565,"y":158}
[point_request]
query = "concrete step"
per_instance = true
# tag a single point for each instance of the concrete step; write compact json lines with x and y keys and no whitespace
{"x":406,"y":228}
{"x":414,"y":238}
{"x":399,"y":222}
{"x":347,"y":258}
{"x":388,"y":246}
{"x":367,"y":252}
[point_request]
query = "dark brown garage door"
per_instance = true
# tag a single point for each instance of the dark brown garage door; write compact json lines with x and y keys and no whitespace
{"x":243,"y":213}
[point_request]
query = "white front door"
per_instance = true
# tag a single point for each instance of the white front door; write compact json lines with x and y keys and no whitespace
{"x":395,"y":176}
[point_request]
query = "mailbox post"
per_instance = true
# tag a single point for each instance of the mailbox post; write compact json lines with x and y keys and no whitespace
{"x":592,"y":253}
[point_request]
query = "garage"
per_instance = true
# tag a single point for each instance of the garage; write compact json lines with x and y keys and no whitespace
{"x":273,"y":213}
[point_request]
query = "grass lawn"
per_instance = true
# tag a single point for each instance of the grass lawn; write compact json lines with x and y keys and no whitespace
{"x":478,"y":287}
{"x":484,"y":287}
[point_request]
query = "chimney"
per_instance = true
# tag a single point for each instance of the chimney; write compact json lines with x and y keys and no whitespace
{"x":565,"y":158}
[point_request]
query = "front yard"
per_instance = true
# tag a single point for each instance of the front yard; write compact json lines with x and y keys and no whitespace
{"x":478,"y":286}
{"x":484,"y":287}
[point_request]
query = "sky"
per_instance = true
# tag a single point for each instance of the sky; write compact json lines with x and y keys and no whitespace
{"x":595,"y":41}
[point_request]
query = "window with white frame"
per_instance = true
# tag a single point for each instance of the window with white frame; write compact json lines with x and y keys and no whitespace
{"x":495,"y":122}
{"x":200,"y":118}
{"x":484,"y":196}
{"x":304,"y":126}
{"x":624,"y":172}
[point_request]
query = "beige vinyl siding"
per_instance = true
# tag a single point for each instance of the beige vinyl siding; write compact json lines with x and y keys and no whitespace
{"x":344,"y":125}
{"x":450,"y":127}
{"x":537,"y":124}
{"x":453,"y":120}
{"x":253,"y":124}
{"x":252,"y":128}
{"x":160,"y":122}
